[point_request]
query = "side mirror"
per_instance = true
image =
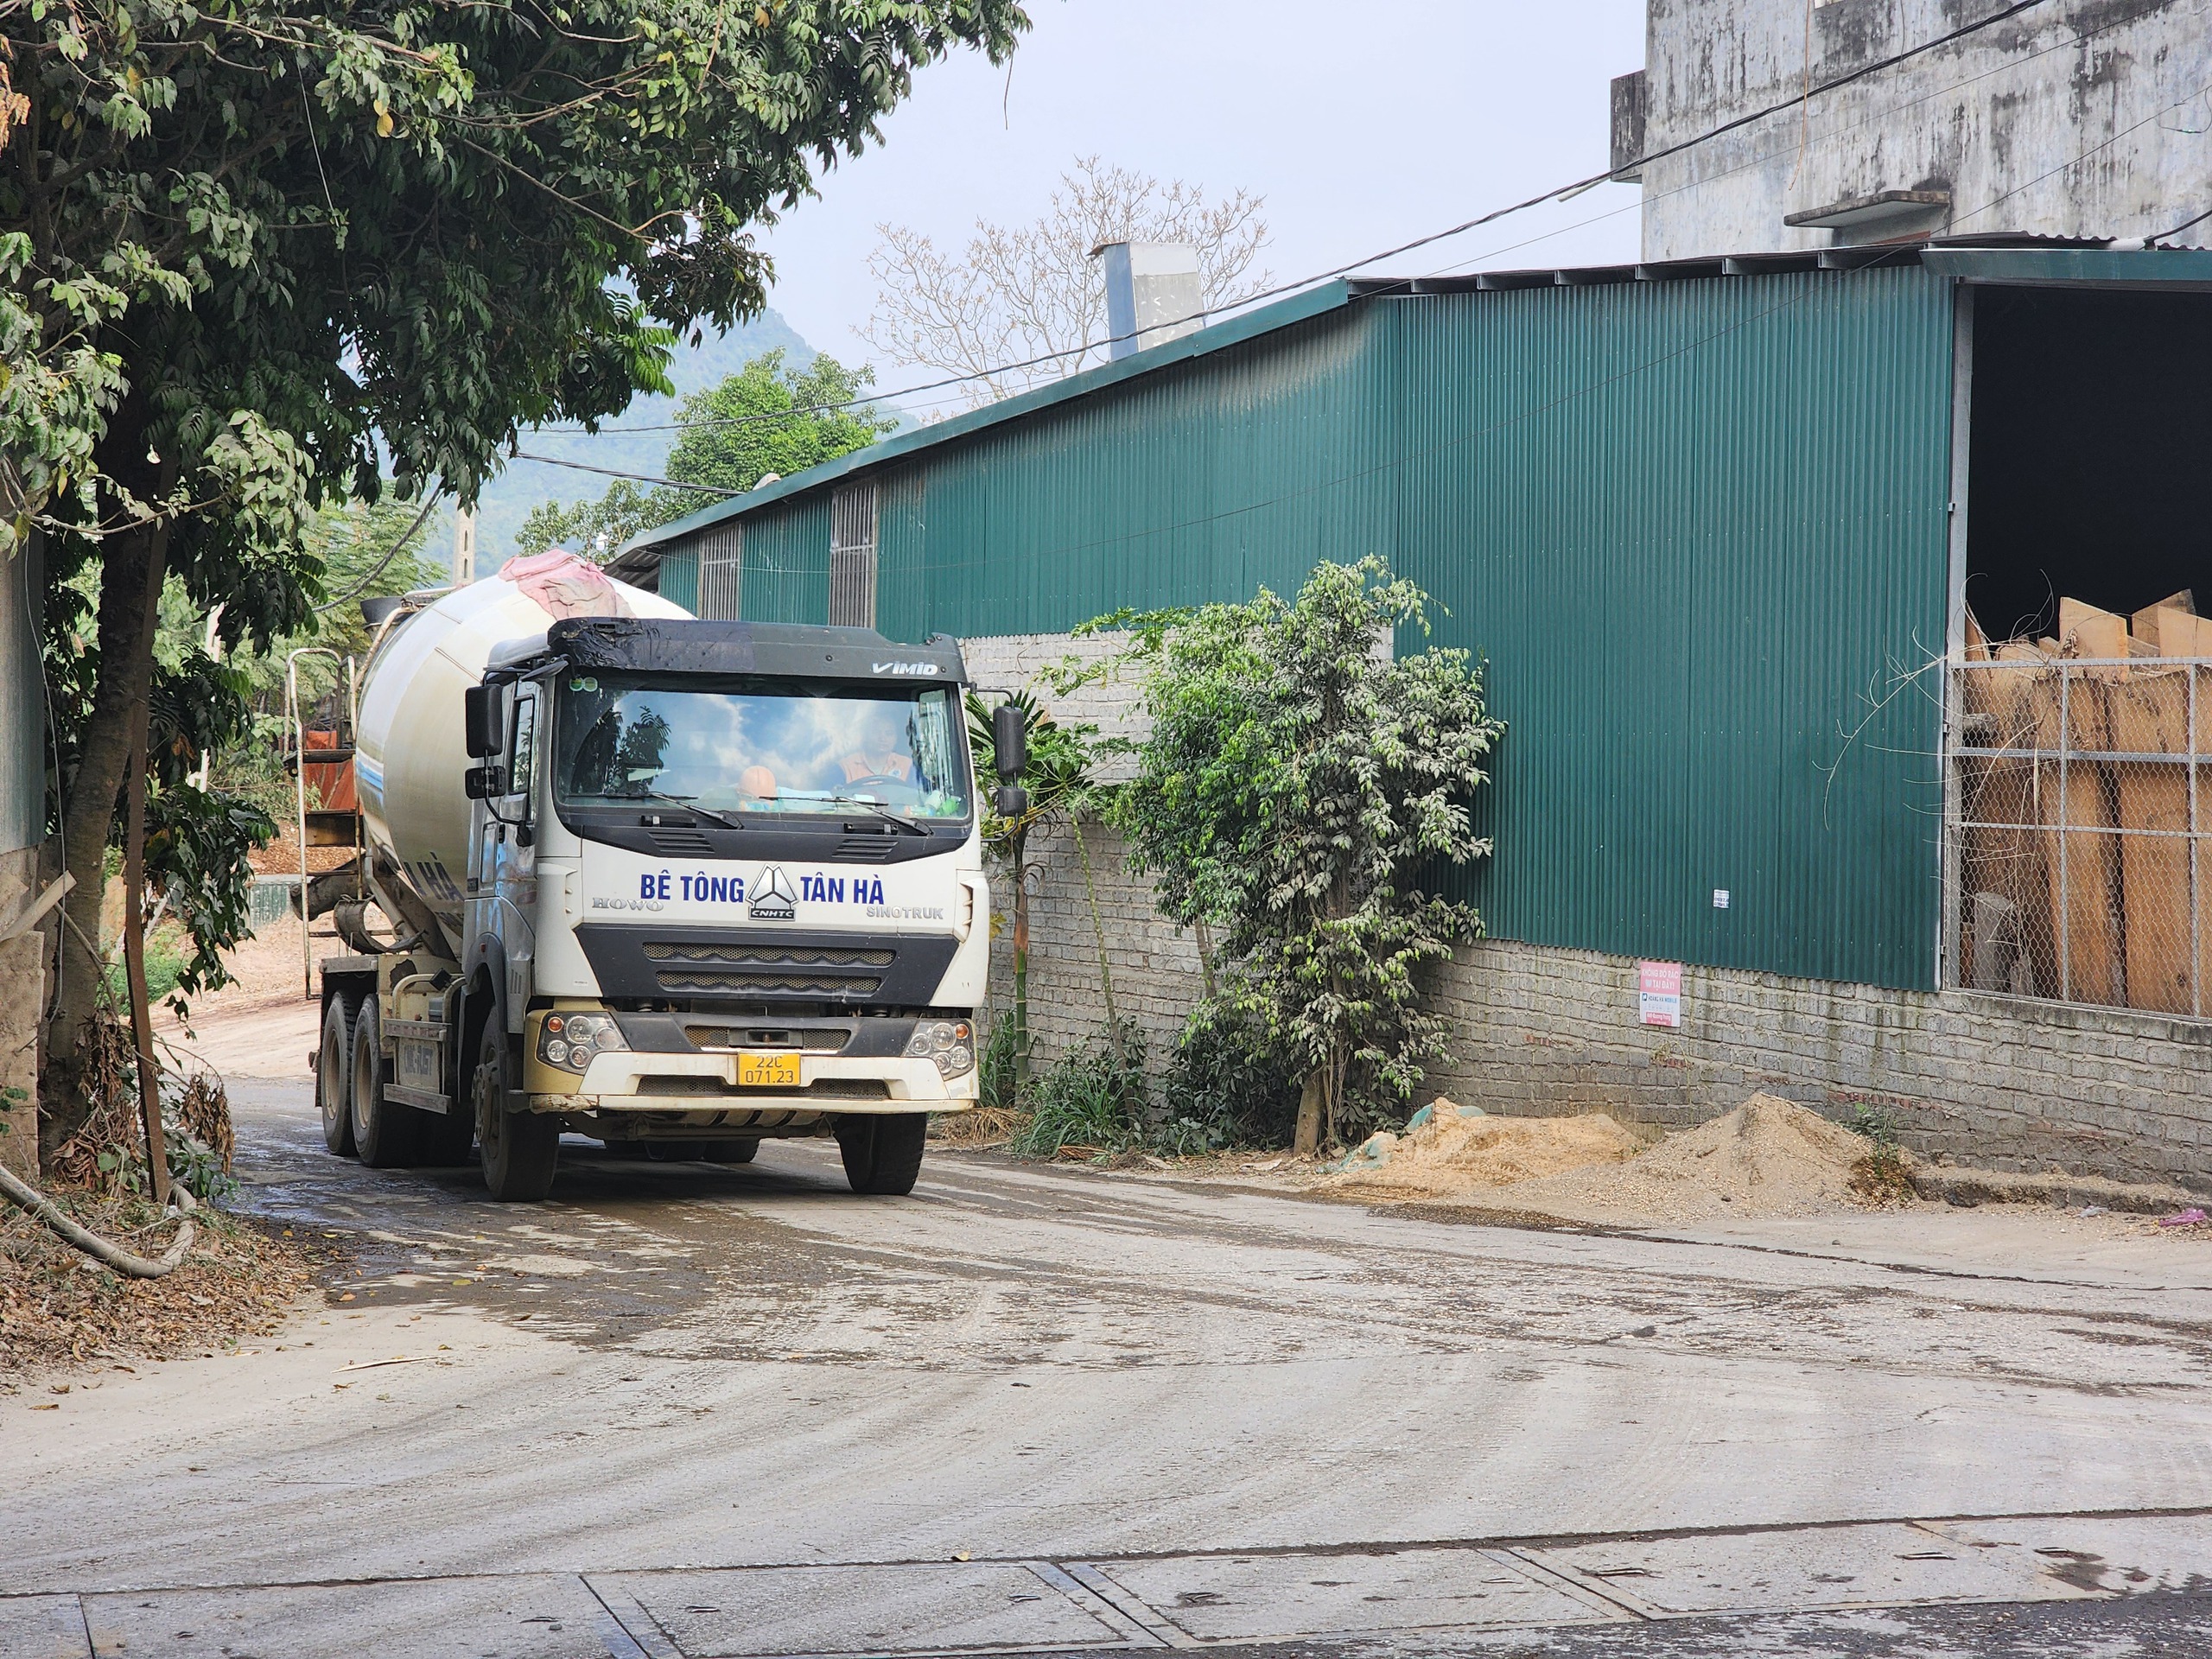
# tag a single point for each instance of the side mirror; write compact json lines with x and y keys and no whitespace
{"x":480,"y":708}
{"x":1010,"y":741}
{"x":1012,"y":800}
{"x":485,"y":783}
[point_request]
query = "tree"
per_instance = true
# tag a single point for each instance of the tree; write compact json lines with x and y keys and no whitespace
{"x":1056,"y":774}
{"x":1294,"y":784}
{"x":1024,"y":292}
{"x":200,"y":344}
{"x":766,"y":418}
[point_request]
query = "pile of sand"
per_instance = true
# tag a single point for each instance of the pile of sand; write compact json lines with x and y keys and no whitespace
{"x":1448,"y":1155}
{"x":1769,"y":1157}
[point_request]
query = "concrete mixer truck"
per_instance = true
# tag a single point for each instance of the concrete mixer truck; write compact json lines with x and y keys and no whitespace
{"x":672,"y":884}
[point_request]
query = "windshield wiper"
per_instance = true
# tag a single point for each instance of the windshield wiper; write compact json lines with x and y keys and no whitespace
{"x":688,"y":805}
{"x":880,"y":811}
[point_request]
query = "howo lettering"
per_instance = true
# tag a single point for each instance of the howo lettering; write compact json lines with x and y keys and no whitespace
{"x":667,"y":883}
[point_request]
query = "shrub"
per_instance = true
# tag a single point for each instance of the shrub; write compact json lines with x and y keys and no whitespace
{"x":1094,"y":1097}
{"x":1223,"y":1089}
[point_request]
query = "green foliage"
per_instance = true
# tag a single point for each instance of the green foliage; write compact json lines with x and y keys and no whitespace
{"x":766,"y":418}
{"x":164,"y":965}
{"x":196,"y":845}
{"x":255,"y":258}
{"x":1095,"y":1095}
{"x":1222,"y":1088}
{"x":997,"y":1085}
{"x":1057,"y":773}
{"x":1296,"y":782}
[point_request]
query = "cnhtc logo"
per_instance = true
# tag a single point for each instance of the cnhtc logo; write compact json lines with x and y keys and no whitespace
{"x":773,"y":899}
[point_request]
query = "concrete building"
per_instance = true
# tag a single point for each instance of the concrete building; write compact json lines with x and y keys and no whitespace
{"x":1837,"y":123}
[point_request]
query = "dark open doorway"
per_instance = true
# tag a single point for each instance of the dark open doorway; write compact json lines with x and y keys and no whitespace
{"x":2092,"y":453}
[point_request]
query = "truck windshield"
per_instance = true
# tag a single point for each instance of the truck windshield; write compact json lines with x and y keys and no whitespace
{"x":771,"y":750}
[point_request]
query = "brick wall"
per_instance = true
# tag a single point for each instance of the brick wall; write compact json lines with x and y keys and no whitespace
{"x":1154,"y":966}
{"x":1539,"y":1031}
{"x":1994,"y":1081}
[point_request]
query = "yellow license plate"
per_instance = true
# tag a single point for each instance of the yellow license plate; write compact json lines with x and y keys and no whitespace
{"x":767,"y":1070}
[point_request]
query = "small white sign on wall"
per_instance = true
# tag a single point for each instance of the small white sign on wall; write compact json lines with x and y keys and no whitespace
{"x":1659,"y":993}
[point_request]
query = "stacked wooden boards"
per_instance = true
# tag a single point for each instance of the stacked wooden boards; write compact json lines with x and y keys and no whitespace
{"x":2098,"y":895}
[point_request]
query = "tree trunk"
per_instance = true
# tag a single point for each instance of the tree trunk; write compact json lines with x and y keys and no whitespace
{"x":1308,"y":1140}
{"x":1205,"y":955}
{"x":1099,"y":927}
{"x":134,"y":964}
{"x":1021,"y":961}
{"x":133,"y":562}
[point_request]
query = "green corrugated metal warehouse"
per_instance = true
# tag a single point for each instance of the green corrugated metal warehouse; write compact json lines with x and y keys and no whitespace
{"x":1707,"y":523}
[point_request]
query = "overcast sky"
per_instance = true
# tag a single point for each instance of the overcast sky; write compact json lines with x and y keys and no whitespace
{"x":1364,"y":124}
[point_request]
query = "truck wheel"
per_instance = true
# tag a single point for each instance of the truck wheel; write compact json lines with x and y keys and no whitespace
{"x":334,"y":1073}
{"x":385,"y":1135}
{"x":883,"y":1155}
{"x":731,"y":1152}
{"x":519,"y":1150}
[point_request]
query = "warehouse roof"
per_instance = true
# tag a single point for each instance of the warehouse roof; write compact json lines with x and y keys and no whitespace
{"x":2008,"y":259}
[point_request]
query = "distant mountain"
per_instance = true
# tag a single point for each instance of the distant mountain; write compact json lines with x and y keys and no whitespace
{"x":508,"y":498}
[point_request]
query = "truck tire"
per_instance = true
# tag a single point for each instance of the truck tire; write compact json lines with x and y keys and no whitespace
{"x":883,"y":1155}
{"x":385,"y":1135}
{"x":729,"y":1152}
{"x":333,"y":1072}
{"x":519,"y":1151}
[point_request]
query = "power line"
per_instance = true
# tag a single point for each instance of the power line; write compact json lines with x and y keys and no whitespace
{"x":1557,"y":193}
{"x":405,"y":536}
{"x":635,"y":478}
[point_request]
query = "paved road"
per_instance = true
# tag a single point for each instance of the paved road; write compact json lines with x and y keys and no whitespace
{"x":688,"y":1411}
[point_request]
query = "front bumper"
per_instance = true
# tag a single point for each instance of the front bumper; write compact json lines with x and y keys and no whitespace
{"x":630,"y":1082}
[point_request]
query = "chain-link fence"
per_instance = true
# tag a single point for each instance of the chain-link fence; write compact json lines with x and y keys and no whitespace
{"x":2075,"y":863}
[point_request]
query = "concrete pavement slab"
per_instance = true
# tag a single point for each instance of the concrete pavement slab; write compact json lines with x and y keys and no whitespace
{"x":1801,"y":1569}
{"x":906,"y":1607}
{"x":1243,"y":1598}
{"x":2123,"y":1555}
{"x":42,"y":1627}
{"x":542,"y":1616}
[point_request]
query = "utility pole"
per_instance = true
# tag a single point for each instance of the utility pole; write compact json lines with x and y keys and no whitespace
{"x":464,"y":547}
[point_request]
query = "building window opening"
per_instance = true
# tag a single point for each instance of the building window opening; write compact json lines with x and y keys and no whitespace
{"x":2078,"y":845}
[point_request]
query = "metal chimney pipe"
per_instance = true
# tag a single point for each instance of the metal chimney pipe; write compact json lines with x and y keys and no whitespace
{"x":1153,"y":294}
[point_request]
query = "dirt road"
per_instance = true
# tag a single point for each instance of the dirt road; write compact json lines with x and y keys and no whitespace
{"x":689,"y":1411}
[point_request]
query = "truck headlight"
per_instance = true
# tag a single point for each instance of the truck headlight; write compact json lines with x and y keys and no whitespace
{"x":569,"y":1040}
{"x":951,"y":1043}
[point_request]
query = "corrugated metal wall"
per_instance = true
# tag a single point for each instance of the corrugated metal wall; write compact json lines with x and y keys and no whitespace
{"x":787,"y":561}
{"x":1199,"y":481}
{"x":679,"y":579}
{"x":1697,"y":528}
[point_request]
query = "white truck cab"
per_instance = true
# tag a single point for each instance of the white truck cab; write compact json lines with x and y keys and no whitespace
{"x":723,"y":881}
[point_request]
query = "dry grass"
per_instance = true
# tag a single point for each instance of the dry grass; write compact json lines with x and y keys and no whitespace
{"x":978,"y":1131}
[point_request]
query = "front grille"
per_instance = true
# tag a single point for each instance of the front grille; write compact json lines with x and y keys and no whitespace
{"x":768,"y":956}
{"x":674,"y":840}
{"x":827,"y":1040}
{"x":828,"y":984}
{"x":867,"y":849}
{"x":847,"y":1089}
{"x":830,"y":1089}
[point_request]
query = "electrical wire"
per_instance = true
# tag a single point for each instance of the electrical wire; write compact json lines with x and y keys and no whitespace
{"x":382,"y":564}
{"x":635,"y":478}
{"x":1557,"y":193}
